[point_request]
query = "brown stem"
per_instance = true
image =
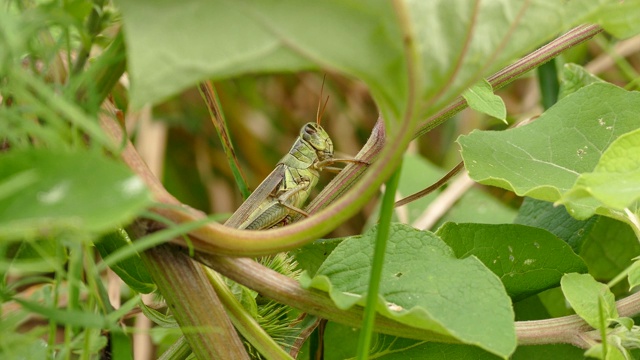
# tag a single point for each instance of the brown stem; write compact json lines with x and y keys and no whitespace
{"x":194,"y":304}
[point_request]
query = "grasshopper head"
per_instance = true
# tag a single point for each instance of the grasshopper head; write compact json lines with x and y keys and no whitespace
{"x":315,"y":136}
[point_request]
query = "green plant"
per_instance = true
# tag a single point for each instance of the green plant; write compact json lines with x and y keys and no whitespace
{"x":483,"y":284}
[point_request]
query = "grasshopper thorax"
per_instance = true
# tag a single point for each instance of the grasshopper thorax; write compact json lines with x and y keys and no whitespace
{"x":314,"y":135}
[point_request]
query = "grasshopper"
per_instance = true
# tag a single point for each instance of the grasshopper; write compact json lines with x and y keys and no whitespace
{"x":281,"y":195}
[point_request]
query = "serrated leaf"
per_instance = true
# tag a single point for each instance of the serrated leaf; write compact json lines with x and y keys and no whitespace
{"x":544,"y":158}
{"x":423,"y":285}
{"x":528,"y":260}
{"x":613,"y":184}
{"x":555,"y":219}
{"x":584,"y":293}
{"x":481,"y":98}
{"x":573,"y":78}
{"x":131,"y":270}
{"x":72,"y":190}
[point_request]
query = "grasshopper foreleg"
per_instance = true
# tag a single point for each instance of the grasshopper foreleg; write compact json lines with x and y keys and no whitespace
{"x":283,"y":198}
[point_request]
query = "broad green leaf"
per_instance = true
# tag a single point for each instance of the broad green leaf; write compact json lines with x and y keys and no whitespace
{"x":613,"y":184}
{"x":131,"y":269}
{"x":555,"y":219}
{"x":311,"y":256}
{"x":574,"y":77}
{"x":479,"y":207}
{"x":393,"y":348}
{"x":634,"y":275}
{"x":81,"y":190}
{"x":475,"y":205}
{"x":481,"y":98}
{"x":609,"y":248}
{"x":528,"y":260}
{"x":462,"y":41}
{"x":458,"y":42}
{"x":621,"y":18}
{"x":554,"y":351}
{"x":267,"y":37}
{"x":423,"y":285}
{"x":544,"y":158}
{"x":583,"y":292}
{"x":417,"y":173}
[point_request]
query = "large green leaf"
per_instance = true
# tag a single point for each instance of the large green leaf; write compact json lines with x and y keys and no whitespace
{"x":621,"y":18}
{"x":556,"y":220}
{"x":193,"y":40}
{"x":609,"y":248}
{"x":461,"y":41}
{"x":528,"y":260}
{"x":457,"y":42}
{"x":78,"y":190}
{"x":393,"y":348}
{"x":615,"y":182}
{"x":544,"y":158}
{"x":423,"y":285}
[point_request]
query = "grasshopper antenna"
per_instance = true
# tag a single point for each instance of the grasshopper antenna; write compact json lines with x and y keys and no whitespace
{"x":320,"y":110}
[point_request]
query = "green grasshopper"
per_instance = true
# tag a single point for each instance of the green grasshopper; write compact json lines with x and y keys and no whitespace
{"x":281,"y":195}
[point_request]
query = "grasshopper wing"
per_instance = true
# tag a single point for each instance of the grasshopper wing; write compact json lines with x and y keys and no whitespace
{"x":257,"y":197}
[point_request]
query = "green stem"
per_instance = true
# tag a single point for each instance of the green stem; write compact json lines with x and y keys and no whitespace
{"x":93,"y":28}
{"x":208,"y":93}
{"x":382,"y":235}
{"x":549,"y":85}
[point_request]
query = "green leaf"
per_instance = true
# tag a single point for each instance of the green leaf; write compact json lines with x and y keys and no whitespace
{"x":472,"y":39}
{"x":82,"y":190}
{"x":573,"y":78}
{"x":609,"y":248}
{"x":131,"y":269}
{"x":554,"y":351}
{"x":556,"y":220}
{"x":544,"y":158}
{"x":267,"y":37}
{"x":634,"y":275}
{"x":528,"y":260}
{"x":393,"y":348}
{"x":475,"y":205}
{"x":583,"y":292}
{"x":462,"y":41}
{"x":621,"y":18}
{"x":481,"y":98}
{"x":311,"y":256}
{"x":423,"y":285}
{"x":614,"y":184}
{"x":39,"y":256}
